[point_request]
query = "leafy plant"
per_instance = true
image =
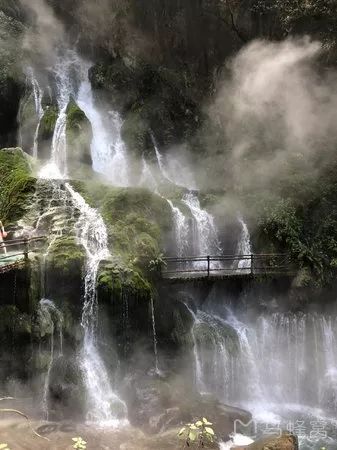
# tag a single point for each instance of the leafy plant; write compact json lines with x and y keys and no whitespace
{"x":4,"y":447}
{"x":155,"y":265}
{"x":198,"y":433}
{"x":79,"y":443}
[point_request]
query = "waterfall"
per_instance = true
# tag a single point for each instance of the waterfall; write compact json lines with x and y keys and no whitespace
{"x":38,"y":95}
{"x":181,"y":229}
{"x":276,"y":359}
{"x":244,"y":247}
{"x":103,"y":404}
{"x":205,"y":236}
{"x":65,"y":88}
{"x":154,"y":333}
{"x":54,"y":317}
{"x":107,"y":148}
{"x":160,"y":161}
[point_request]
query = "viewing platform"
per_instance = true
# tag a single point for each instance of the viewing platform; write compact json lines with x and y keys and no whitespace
{"x":227,"y":266}
{"x":14,"y":254}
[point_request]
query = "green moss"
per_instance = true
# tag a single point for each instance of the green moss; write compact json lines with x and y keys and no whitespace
{"x":79,"y":137}
{"x":16,"y":185}
{"x":66,"y":256}
{"x":47,"y":124}
{"x":138,"y":220}
{"x":114,"y":280}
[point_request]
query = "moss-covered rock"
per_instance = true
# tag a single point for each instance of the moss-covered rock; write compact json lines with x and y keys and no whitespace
{"x":64,"y":268}
{"x":47,"y":124}
{"x":138,"y":220}
{"x":17,"y":185}
{"x":79,"y":137}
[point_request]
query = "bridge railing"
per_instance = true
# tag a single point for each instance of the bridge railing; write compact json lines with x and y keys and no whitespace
{"x":15,"y":248}
{"x":226,"y":265}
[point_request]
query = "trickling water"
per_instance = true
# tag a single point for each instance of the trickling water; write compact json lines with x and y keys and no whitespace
{"x":160,"y":161}
{"x":38,"y":95}
{"x":244,"y":247}
{"x":154,"y":331}
{"x":181,"y":229}
{"x":53,"y":316}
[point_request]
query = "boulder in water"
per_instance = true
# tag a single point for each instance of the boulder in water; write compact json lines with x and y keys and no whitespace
{"x":286,"y":441}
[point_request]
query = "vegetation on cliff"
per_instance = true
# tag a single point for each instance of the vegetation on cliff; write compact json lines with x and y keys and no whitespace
{"x":16,"y":185}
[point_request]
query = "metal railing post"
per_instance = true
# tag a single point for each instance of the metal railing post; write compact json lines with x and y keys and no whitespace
{"x":208,"y":266}
{"x":26,"y":249}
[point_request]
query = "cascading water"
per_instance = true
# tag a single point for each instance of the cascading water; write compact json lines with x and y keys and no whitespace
{"x":103,"y":404}
{"x":278,"y":359}
{"x":244,"y":248}
{"x":52,"y":315}
{"x":38,"y":95}
{"x":65,"y":86}
{"x":181,"y":229}
{"x":205,"y":235}
{"x":107,"y":148}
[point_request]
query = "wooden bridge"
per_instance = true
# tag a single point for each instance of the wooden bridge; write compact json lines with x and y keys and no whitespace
{"x":15,"y":253}
{"x":227,"y":266}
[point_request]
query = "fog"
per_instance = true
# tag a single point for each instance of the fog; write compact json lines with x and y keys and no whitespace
{"x":277,"y":109}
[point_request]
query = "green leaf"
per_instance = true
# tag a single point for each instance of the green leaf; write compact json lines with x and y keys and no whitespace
{"x":182,"y":431}
{"x":193,"y":427}
{"x":3,"y":446}
{"x":198,"y":424}
{"x":209,"y":431}
{"x":206,"y":422}
{"x":192,"y":436}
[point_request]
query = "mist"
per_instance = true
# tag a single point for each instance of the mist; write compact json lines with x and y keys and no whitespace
{"x":277,"y":110}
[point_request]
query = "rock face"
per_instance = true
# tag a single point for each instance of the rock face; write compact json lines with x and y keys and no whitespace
{"x":11,"y":77}
{"x":285,"y":442}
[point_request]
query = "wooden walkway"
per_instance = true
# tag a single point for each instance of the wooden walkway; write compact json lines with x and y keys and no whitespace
{"x":226,"y":266}
{"x":14,"y":254}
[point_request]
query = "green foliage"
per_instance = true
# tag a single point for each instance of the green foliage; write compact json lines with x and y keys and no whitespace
{"x":4,"y":447}
{"x":79,"y":443}
{"x":16,"y":185}
{"x":199,"y":433}
{"x":156,"y":265}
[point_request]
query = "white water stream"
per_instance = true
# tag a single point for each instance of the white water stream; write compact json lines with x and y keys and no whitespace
{"x":52,"y":315}
{"x":244,"y":248}
{"x":103,"y":404}
{"x":278,"y":366}
{"x":38,"y":95}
